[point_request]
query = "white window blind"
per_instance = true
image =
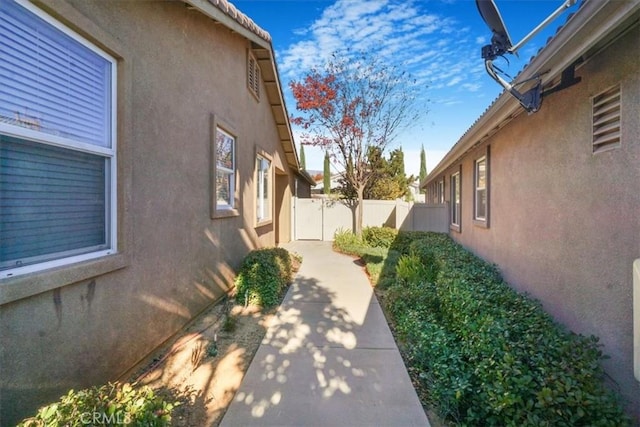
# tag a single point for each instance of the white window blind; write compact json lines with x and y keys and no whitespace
{"x":51,"y":83}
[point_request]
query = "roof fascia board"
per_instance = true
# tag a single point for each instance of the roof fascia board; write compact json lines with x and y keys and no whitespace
{"x":591,"y":23}
{"x":215,"y":13}
{"x":280,"y":103}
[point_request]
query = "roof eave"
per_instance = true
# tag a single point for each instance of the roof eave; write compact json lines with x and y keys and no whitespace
{"x":591,"y":23}
{"x":208,"y":8}
{"x":263,"y":50}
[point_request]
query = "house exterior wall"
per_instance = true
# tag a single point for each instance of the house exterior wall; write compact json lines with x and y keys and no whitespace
{"x":176,"y":68}
{"x":564,"y":223}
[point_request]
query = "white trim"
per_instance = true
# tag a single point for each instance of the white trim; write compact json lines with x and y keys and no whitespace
{"x":456,"y":176}
{"x":109,"y":154}
{"x":56,"y":141}
{"x":476,"y":188}
{"x":230,"y":172}
{"x":61,"y":262}
{"x":266,"y":211}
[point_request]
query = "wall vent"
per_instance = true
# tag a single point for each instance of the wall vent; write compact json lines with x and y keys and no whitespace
{"x":606,"y":120}
{"x":253,"y":75}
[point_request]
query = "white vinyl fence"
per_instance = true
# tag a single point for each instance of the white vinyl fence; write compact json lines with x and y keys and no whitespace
{"x":319,"y":219}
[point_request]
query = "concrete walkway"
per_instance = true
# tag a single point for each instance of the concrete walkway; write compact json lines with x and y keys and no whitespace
{"x":329,"y":359}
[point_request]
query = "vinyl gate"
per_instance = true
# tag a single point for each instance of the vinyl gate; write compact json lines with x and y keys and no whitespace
{"x":308,"y":219}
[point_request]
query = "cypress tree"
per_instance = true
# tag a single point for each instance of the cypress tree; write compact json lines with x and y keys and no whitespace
{"x":303,"y":160}
{"x":326,"y":174}
{"x":423,"y":167}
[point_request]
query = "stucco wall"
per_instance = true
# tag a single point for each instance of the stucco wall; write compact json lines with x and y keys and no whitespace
{"x":564,"y":223}
{"x":176,"y":68}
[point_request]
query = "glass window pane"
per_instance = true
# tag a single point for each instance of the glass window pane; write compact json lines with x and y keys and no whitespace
{"x":53,"y":202}
{"x":481,"y":174}
{"x":50,"y":82}
{"x":481,"y":204}
{"x":224,"y":150}
{"x":263,"y":205}
{"x":224,"y":190}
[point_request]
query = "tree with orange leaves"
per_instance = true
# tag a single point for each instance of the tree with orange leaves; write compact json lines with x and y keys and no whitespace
{"x":351,"y":106}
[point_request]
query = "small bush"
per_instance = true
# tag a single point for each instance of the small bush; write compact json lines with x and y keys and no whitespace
{"x":346,"y":242}
{"x":410,"y":269}
{"x":379,"y":237}
{"x":110,"y":404}
{"x":263,"y":276}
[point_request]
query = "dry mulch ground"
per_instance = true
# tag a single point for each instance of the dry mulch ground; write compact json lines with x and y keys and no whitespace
{"x":203,"y":366}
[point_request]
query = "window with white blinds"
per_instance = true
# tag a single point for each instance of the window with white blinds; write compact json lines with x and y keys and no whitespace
{"x":57,"y":144}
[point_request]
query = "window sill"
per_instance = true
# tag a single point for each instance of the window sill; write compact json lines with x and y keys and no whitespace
{"x":264,"y":223}
{"x":225,"y":213}
{"x":481,"y":223}
{"x":27,"y":285}
{"x":455,"y":228}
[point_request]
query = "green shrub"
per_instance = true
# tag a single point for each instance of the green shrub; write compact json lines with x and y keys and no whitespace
{"x":346,"y":242}
{"x":379,"y":237}
{"x":387,"y":276}
{"x":410,"y":269}
{"x":111,"y":404}
{"x":486,"y":354}
{"x":263,"y":277}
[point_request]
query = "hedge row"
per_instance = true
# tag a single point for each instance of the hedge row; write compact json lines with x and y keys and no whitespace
{"x":486,"y":354}
{"x":263,"y":277}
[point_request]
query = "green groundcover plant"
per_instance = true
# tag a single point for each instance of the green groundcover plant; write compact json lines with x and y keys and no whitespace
{"x":108,"y":405}
{"x":263,"y":277}
{"x":485,"y":354}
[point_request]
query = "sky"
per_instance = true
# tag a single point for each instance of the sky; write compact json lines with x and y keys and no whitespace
{"x":437,"y":42}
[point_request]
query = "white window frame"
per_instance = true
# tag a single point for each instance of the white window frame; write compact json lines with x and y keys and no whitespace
{"x":440,"y":191}
{"x":456,"y":194}
{"x":478,"y":189}
{"x":110,"y":155}
{"x":231,"y":172}
{"x":263,"y":213}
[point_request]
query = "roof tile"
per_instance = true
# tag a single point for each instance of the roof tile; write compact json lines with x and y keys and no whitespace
{"x":228,"y":8}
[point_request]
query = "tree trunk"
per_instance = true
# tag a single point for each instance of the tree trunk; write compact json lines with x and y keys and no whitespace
{"x":359,"y":211}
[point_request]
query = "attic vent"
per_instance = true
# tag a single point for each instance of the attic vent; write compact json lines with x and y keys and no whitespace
{"x":253,"y":75}
{"x":606,"y":120}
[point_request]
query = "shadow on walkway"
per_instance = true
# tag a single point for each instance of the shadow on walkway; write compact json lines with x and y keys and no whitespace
{"x":328,"y":358}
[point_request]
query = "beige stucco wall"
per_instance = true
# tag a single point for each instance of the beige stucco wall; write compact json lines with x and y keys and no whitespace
{"x":565,"y":223}
{"x":176,"y":68}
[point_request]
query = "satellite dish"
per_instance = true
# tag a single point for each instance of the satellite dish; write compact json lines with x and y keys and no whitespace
{"x":491,"y":16}
{"x":501,"y":44}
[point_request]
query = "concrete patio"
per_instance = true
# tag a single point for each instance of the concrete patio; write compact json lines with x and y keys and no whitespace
{"x":329,"y":358}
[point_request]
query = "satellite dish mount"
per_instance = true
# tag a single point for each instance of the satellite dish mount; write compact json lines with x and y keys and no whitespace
{"x":501,"y":45}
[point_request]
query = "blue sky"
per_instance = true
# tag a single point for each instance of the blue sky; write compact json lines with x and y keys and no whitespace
{"x":437,"y":41}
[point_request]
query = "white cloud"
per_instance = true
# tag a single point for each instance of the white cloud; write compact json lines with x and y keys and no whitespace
{"x":437,"y":51}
